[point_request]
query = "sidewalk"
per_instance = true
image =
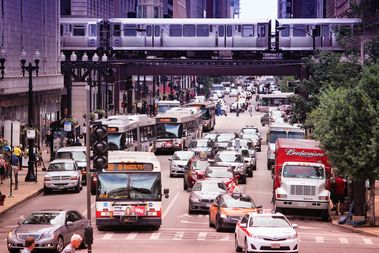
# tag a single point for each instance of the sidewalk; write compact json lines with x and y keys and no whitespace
{"x":26,"y":190}
{"x":365,"y":229}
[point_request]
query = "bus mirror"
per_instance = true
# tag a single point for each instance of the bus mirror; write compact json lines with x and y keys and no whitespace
{"x":166,"y":192}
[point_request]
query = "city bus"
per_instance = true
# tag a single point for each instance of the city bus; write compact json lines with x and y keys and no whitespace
{"x":265,"y":101}
{"x":208,"y":110}
{"x":129,"y":191}
{"x":177,"y":128}
{"x":164,"y":105}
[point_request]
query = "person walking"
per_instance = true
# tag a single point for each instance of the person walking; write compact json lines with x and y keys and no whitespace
{"x":339,"y":193}
{"x":76,"y":240}
{"x":29,"y":245}
{"x":2,"y":168}
{"x":18,"y":153}
{"x":250,"y":109}
{"x":15,"y":167}
{"x":237,"y":109}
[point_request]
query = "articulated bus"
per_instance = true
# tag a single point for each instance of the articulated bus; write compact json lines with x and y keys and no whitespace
{"x":177,"y":128}
{"x":208,"y":110}
{"x":265,"y":101}
{"x":129,"y":191}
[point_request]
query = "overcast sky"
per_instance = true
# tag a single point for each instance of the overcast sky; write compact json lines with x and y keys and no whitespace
{"x":258,"y":8}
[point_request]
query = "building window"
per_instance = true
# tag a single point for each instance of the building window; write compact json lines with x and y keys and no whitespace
{"x":156,"y":12}
{"x":202,"y":30}
{"x":65,"y":7}
{"x":175,"y":31}
{"x":142,"y":11}
{"x":189,"y":30}
{"x":247,"y":30}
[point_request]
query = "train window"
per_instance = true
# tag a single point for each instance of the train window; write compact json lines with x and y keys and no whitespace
{"x":286,"y":31}
{"x":299,"y":30}
{"x":79,"y":30}
{"x":157,"y":31}
{"x":229,"y":31}
{"x":117,"y":30}
{"x":188,"y":30}
{"x":61,"y":29}
{"x":175,"y":31}
{"x":130,"y":30}
{"x":325,"y":31}
{"x":261,"y":30}
{"x":221,"y":31}
{"x":148,"y":30}
{"x":202,"y":30}
{"x":247,"y":30}
{"x":92,"y":30}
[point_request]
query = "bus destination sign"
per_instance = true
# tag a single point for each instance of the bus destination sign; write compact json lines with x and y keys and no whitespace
{"x":112,"y":129}
{"x":130,"y":167}
{"x":166,"y":120}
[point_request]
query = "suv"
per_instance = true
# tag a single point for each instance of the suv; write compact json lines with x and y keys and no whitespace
{"x":62,"y":174}
{"x":78,"y":154}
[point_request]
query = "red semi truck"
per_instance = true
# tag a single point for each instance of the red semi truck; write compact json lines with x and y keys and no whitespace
{"x":301,"y":176}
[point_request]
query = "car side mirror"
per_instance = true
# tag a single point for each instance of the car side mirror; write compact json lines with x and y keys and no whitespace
{"x":43,"y":169}
{"x":244,"y":225}
{"x":189,"y":189}
{"x":211,"y":160}
{"x":69,"y":223}
{"x":294,"y":225}
{"x":170,"y":159}
{"x":166,"y":192}
{"x":259,"y":206}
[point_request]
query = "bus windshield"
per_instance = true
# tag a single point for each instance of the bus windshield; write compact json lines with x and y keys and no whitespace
{"x":133,"y":186}
{"x":114,"y":141}
{"x":295,"y":135}
{"x":274,"y":135}
{"x":205,"y":113}
{"x":169,"y":130}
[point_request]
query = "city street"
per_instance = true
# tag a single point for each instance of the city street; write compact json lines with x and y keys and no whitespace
{"x":191,"y":233}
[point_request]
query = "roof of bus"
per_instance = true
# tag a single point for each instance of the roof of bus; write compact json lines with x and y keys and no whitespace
{"x":132,"y":156}
{"x":206,"y":103}
{"x":287,"y":126}
{"x":277,"y":95}
{"x":179,"y":116}
{"x":168,"y":102}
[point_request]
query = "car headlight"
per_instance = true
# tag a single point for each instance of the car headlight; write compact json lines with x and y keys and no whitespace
{"x":224,"y":216}
{"x":195,"y":199}
{"x":293,"y":236}
{"x":11,"y":234}
{"x":49,"y":235}
{"x":239,"y":168}
{"x":257,"y":236}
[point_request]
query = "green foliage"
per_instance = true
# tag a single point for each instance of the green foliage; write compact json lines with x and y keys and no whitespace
{"x":372,"y":51}
{"x":283,"y":83}
{"x":344,"y":124}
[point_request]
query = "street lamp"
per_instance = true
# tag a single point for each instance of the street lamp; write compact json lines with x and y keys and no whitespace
{"x":3,"y":57}
{"x":30,"y":176}
{"x":281,"y":28}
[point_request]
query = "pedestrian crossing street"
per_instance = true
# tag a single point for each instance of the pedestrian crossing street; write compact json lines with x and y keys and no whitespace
{"x":211,"y":235}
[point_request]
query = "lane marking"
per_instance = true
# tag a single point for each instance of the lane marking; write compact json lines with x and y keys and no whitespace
{"x":155,"y":236}
{"x":185,"y":229}
{"x":226,"y":238}
{"x":178,"y":235}
{"x":193,"y":222}
{"x":202,"y":236}
{"x":107,"y":236}
{"x":84,"y":213}
{"x":131,"y":236}
{"x":319,"y":239}
{"x":343,"y":240}
{"x":170,"y":205}
{"x":367,"y":240}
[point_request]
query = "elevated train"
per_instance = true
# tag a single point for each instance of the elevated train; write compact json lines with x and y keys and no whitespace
{"x":202,"y":37}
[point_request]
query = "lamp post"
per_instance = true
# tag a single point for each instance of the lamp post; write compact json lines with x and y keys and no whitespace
{"x":30,"y":176}
{"x":280,"y":28}
{"x":3,"y":57}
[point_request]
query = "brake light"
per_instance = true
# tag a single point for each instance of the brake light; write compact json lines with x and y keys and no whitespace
{"x":281,"y":196}
{"x":323,"y":197}
{"x":104,"y":213}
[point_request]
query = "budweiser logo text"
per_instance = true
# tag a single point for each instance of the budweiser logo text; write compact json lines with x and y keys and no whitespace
{"x":290,"y":152}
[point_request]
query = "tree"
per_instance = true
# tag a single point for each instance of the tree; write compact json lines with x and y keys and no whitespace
{"x":345,"y":123}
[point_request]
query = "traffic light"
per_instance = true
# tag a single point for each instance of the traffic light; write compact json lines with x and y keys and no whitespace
{"x":100,"y":147}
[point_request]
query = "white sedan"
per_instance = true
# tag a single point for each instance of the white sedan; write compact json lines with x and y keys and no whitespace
{"x":266,"y":232}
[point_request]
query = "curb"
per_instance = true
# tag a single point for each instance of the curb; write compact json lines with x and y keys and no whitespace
{"x":352,"y":229}
{"x":34,"y":194}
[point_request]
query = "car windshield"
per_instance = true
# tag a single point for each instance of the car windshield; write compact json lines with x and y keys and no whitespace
{"x":61,"y":167}
{"x":200,"y":165}
{"x":253,"y":137}
{"x":249,"y":130}
{"x":302,"y":171}
{"x":245,"y":153}
{"x":242,"y":202}
{"x":45,"y":218}
{"x":146,"y":186}
{"x":209,"y":187}
{"x":269,"y":221}
{"x":205,"y":113}
{"x":295,"y":135}
{"x":79,"y":156}
{"x":201,"y":144}
{"x":219,"y":173}
{"x":183,"y":156}
{"x":169,"y":130}
{"x":229,"y":157}
{"x":224,"y":137}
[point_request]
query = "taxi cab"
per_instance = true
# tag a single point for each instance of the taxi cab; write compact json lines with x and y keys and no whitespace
{"x":265,"y":232}
{"x":227,"y":209}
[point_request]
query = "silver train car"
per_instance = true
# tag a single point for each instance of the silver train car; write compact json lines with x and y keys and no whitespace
{"x":237,"y":38}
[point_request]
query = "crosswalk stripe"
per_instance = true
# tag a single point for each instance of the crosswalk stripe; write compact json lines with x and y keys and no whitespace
{"x":155,"y":236}
{"x":107,"y":236}
{"x":226,"y":238}
{"x":343,"y":240}
{"x":131,"y":236}
{"x":179,"y":235}
{"x":367,"y":240}
{"x":202,"y":236}
{"x":319,"y":239}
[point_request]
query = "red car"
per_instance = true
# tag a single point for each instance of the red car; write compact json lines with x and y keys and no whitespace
{"x":194,"y":171}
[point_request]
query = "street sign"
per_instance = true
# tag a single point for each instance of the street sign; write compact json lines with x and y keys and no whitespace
{"x":67,"y":127}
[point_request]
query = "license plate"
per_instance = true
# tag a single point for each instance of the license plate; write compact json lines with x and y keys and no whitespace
{"x":275,"y":246}
{"x":301,"y":204}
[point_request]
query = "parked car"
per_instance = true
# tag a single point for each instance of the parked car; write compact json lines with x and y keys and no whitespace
{"x":234,"y":159}
{"x":195,"y":171}
{"x":51,"y":228}
{"x":204,"y":193}
{"x":179,"y":161}
{"x":78,"y":153}
{"x":62,"y":174}
{"x":227,"y":209}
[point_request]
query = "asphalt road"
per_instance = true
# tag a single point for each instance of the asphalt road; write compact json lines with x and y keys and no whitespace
{"x":183,"y":233}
